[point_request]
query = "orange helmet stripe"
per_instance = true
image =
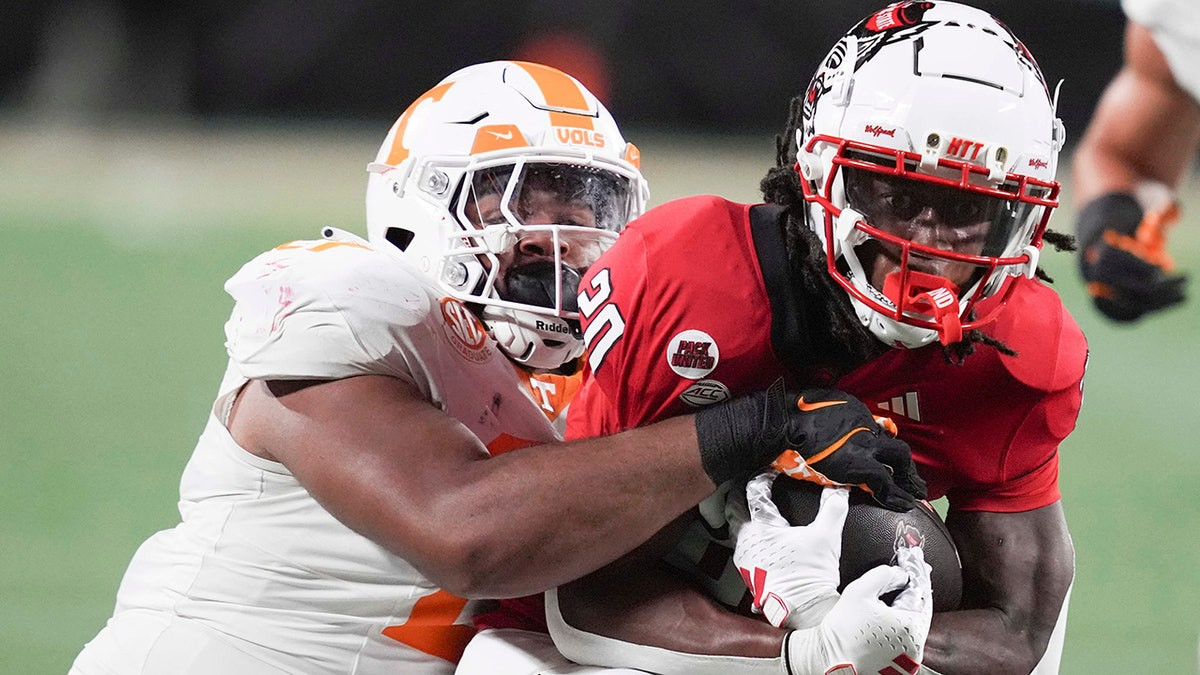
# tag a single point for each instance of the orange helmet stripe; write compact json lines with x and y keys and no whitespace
{"x":398,"y":152}
{"x":561,"y":91}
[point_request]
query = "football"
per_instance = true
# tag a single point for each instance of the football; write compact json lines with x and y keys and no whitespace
{"x":869,"y":538}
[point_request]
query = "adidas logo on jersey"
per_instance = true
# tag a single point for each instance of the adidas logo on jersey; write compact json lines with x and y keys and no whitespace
{"x":905,"y":406}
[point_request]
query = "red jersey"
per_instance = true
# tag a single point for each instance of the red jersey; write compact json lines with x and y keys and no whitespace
{"x":694,"y":304}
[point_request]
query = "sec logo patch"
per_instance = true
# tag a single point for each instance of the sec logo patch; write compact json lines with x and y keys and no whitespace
{"x":693,"y":354}
{"x":464,"y":331}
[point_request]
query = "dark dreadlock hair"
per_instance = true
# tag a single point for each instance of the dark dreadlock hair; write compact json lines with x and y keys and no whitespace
{"x":806,"y":255}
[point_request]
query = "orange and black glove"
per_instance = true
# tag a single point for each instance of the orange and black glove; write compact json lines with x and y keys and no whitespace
{"x":1123,"y":257}
{"x":823,"y":435}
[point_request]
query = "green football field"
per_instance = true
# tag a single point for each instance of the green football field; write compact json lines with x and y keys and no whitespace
{"x":116,"y":245}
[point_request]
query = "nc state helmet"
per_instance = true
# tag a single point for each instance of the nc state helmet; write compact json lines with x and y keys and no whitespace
{"x":501,"y":131}
{"x":935,"y":104}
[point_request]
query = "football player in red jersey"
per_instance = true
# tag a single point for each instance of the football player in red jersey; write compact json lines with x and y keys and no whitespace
{"x":896,"y":259}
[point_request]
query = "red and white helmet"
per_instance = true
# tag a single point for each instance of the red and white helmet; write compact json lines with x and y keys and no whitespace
{"x":498,"y":128}
{"x":943,"y":98}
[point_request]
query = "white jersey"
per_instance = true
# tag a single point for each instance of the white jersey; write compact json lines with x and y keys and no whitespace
{"x":1175,"y":25}
{"x":257,"y":563}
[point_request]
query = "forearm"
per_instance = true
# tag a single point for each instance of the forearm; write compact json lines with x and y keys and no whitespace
{"x":401,"y":472}
{"x":652,"y":620}
{"x":580,"y":505}
{"x":977,"y":641}
{"x":1109,"y":160}
{"x":947,"y":647}
{"x":541,"y":516}
{"x":655,"y":607}
{"x":1017,"y":573}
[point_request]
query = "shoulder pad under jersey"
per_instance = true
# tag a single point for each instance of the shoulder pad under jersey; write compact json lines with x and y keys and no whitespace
{"x":1051,"y":348}
{"x":325,"y":310}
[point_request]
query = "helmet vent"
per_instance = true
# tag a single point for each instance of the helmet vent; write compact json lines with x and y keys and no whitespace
{"x":400,"y":237}
{"x":991,"y":65}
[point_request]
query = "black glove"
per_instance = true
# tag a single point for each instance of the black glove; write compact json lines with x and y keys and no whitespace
{"x":1123,"y":259}
{"x":835,"y":435}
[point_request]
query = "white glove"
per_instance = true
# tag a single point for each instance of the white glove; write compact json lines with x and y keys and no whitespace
{"x":792,"y":572}
{"x":862,"y":632}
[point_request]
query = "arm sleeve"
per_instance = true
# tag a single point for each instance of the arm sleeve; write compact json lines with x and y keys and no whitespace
{"x":1176,"y":28}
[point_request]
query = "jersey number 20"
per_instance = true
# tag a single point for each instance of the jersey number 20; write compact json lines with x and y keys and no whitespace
{"x":604,"y":318}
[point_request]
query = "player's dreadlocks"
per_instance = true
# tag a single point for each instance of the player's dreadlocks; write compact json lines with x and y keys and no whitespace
{"x":806,"y":255}
{"x":781,"y":186}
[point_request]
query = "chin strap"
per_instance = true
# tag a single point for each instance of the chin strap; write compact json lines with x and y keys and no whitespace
{"x":535,"y":341}
{"x":929,"y":295}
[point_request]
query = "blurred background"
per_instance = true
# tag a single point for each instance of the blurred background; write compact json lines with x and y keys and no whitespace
{"x":705,"y":66}
{"x":148,"y":149}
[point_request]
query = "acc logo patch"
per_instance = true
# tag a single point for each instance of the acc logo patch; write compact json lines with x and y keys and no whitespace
{"x":693,"y":354}
{"x":464,"y":331}
{"x":705,"y":392}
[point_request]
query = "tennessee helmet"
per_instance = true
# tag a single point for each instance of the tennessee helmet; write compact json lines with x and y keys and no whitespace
{"x":455,"y":185}
{"x":928,"y":109}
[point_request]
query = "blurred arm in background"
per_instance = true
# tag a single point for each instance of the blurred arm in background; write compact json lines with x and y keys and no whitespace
{"x":1133,"y":155}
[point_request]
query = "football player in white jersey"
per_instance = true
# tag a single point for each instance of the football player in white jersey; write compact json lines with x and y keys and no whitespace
{"x":354,"y":488}
{"x":1138,"y":148}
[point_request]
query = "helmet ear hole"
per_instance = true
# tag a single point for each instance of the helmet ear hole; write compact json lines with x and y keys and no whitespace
{"x":399,"y":237}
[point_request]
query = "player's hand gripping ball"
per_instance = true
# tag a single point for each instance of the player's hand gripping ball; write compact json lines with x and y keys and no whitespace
{"x":837,"y":441}
{"x":870,"y":535}
{"x":817,"y":434}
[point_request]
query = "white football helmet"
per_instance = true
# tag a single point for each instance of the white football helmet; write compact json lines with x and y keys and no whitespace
{"x":929,"y":107}
{"x":465,"y":166}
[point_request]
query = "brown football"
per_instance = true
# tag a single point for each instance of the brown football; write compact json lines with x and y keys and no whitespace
{"x":869,"y":538}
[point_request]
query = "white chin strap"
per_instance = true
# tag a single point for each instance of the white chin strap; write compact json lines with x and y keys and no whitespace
{"x":887,"y":330}
{"x":891,"y":332}
{"x":535,"y":341}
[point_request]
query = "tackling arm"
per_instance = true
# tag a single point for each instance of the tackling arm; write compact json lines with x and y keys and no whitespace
{"x":401,"y":472}
{"x":1017,"y":570}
